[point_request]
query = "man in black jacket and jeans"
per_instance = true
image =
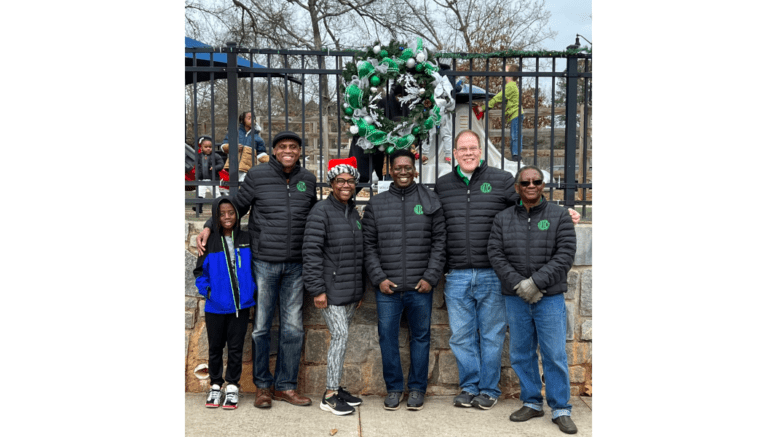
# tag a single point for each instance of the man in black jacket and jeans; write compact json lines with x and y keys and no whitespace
{"x":279,"y":195}
{"x":532,"y":247}
{"x":404,"y":255}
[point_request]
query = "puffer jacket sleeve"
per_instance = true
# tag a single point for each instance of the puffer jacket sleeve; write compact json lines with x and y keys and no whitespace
{"x":436,"y":264}
{"x":313,"y":252}
{"x":371,"y":255}
{"x":508,"y":276}
{"x":511,"y":196}
{"x":555,"y":270}
{"x":218,"y":163}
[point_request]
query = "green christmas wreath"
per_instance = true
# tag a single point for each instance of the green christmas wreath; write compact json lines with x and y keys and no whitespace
{"x":361,"y":89}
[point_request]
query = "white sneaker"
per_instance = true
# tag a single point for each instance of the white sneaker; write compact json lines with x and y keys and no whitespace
{"x":230,"y":401}
{"x":214,"y":397}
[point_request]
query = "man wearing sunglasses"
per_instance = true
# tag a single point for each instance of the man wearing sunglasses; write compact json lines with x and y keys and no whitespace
{"x":471,"y":196}
{"x":532,"y":247}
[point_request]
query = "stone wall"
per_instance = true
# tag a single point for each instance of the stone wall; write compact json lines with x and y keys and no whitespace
{"x":363,"y":369}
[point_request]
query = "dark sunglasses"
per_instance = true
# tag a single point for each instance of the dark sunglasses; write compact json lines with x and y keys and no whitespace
{"x":536,"y":183}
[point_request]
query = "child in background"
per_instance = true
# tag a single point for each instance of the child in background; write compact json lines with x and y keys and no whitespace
{"x":513,"y":111}
{"x":223,"y":277}
{"x":208,"y":166}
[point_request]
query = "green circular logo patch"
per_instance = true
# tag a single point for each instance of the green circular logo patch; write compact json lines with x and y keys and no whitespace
{"x":418,"y":209}
{"x":543,"y":225}
{"x":301,"y":186}
{"x":486,"y":187}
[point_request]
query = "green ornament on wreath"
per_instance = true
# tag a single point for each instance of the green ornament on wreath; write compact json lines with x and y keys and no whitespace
{"x":413,"y":68}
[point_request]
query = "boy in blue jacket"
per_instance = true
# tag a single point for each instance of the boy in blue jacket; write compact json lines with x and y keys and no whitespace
{"x":223,"y":277}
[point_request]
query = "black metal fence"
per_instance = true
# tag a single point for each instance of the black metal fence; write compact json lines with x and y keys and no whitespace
{"x":567,"y":116}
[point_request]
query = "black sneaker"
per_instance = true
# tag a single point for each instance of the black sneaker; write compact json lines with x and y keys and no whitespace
{"x":464,"y":399}
{"x":335,"y":405}
{"x":415,"y":401}
{"x":347,"y":397}
{"x":214,"y":397}
{"x":392,"y":401}
{"x":230,"y":400}
{"x":483,"y":401}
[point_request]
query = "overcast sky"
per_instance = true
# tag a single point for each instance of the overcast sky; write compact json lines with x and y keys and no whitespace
{"x":568,"y":18}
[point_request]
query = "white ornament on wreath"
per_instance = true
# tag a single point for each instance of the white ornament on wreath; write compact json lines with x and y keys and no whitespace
{"x":376,"y":49}
{"x":421,"y":57}
{"x":410,"y":63}
{"x":354,"y":129}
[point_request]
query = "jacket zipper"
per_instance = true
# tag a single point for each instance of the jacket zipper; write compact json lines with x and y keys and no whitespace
{"x":232,"y":272}
{"x":404,"y":232}
{"x":288,"y":222}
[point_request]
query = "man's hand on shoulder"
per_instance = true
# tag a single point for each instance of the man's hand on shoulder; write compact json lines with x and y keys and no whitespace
{"x":202,"y":240}
{"x":575,"y":216}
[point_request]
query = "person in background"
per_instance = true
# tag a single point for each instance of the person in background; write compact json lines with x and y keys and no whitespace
{"x":223,"y":277}
{"x":332,"y":257}
{"x":513,"y":111}
{"x":254,"y":153}
{"x":207,"y":168}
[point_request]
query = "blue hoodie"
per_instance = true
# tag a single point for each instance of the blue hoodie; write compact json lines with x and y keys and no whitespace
{"x":226,"y":289}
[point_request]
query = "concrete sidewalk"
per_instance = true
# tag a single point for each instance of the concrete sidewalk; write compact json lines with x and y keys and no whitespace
{"x":438,"y":418}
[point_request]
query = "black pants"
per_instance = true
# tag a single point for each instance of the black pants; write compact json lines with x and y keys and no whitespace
{"x":363,"y":161}
{"x":230,"y":330}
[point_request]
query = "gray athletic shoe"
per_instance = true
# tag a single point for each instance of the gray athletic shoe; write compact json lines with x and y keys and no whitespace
{"x":464,"y":399}
{"x":392,"y":401}
{"x":415,"y":401}
{"x":483,"y":401}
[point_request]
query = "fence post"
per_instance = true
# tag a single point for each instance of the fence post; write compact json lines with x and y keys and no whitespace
{"x":569,"y":133}
{"x":234,"y":164}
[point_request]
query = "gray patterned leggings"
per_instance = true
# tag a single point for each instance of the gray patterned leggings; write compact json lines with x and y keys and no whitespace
{"x":338,"y":318}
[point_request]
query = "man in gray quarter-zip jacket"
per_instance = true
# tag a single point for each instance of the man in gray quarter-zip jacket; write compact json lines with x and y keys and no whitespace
{"x":532,"y":246}
{"x":279,"y":195}
{"x":404,"y":256}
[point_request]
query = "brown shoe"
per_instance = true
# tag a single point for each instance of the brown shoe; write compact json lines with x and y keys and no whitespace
{"x":263,"y":399}
{"x":291,"y":397}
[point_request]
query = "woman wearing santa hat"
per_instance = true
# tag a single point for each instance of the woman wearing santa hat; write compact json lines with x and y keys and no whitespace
{"x":332,"y":257}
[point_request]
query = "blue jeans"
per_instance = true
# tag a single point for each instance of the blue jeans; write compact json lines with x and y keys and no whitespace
{"x":516,"y":135}
{"x":419,"y":319}
{"x":475,"y":303}
{"x":278,"y":281}
{"x":544,"y":322}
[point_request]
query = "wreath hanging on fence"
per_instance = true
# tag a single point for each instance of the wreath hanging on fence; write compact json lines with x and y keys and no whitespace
{"x":409,"y":66}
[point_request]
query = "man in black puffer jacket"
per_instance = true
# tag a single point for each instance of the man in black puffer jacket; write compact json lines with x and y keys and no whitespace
{"x":532,"y":247}
{"x":279,"y":195}
{"x":404,"y":255}
{"x":471,"y":196}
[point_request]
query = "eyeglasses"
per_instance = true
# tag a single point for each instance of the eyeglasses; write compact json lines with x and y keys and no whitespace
{"x":466,"y":150}
{"x":340,"y":181}
{"x":536,"y":183}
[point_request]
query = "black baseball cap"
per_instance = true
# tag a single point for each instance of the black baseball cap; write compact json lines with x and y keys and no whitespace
{"x":286,"y":135}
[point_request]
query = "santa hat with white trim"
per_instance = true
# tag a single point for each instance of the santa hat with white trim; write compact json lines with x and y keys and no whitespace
{"x":337,"y":167}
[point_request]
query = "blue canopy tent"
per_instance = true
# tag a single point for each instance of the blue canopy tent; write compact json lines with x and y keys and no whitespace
{"x":219,"y":60}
